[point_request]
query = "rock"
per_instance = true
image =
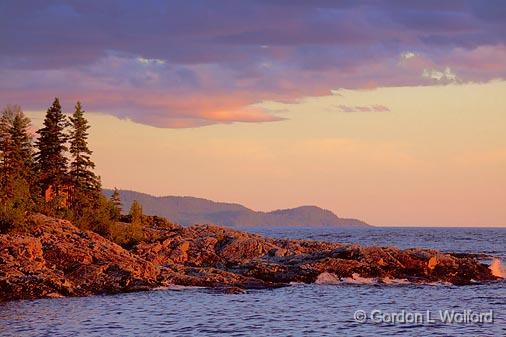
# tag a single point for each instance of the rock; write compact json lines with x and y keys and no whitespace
{"x":54,"y":259}
{"x":432,"y":263}
{"x":61,"y":260}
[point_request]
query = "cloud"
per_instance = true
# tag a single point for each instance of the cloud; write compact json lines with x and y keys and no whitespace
{"x":407,"y":55}
{"x":179,"y":63}
{"x":440,"y":75}
{"x":366,"y":108}
{"x":146,"y":61}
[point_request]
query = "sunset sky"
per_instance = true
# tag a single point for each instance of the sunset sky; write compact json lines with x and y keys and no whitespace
{"x":393,"y":112}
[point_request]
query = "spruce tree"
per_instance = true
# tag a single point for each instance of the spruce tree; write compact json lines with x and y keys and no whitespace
{"x":16,"y":148}
{"x":6,"y":120}
{"x":86,"y":187}
{"x":20,"y":152}
{"x":5,"y":124}
{"x":50,"y":158}
{"x":82,"y":177}
{"x":116,"y":204}
{"x":16,"y":167}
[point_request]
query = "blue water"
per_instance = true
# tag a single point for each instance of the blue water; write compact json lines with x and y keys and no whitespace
{"x":299,"y":310}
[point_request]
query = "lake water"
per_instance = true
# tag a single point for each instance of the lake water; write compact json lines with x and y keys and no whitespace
{"x":298,"y":310}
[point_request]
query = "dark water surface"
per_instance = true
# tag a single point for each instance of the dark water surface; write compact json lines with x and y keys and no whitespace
{"x":299,"y":310}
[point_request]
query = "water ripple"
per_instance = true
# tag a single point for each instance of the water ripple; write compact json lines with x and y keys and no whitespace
{"x":299,"y":310}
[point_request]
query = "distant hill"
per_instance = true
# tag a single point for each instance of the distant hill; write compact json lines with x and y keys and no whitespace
{"x":190,"y":210}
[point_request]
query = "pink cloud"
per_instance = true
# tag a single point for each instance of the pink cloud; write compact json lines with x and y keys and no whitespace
{"x":235,"y":54}
{"x":168,"y":95}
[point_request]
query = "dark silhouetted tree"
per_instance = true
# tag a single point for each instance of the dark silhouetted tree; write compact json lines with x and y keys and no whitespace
{"x":50,"y":158}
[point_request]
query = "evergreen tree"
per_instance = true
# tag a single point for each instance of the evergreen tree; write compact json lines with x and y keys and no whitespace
{"x":6,"y":121}
{"x":15,"y":147}
{"x":116,"y":204}
{"x":83,"y":179}
{"x":50,"y":158}
{"x":21,"y":151}
{"x":136,"y":212}
{"x":16,"y":167}
{"x":86,"y":187}
{"x":134,"y":232}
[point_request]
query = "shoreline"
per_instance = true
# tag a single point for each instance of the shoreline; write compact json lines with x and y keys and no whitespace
{"x":56,"y":259}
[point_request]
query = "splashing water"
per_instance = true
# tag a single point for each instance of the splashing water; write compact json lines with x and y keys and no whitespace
{"x":497,"y":268}
{"x":327,"y":278}
{"x":330,"y":278}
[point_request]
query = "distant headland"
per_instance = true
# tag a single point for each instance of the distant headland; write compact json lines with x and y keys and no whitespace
{"x":190,"y":210}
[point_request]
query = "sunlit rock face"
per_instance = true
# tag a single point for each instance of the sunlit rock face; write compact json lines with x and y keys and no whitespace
{"x":55,"y":258}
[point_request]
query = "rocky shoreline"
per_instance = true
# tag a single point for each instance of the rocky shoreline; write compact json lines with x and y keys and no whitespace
{"x":55,"y":259}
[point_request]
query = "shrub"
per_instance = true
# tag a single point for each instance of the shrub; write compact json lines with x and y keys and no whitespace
{"x":12,"y":216}
{"x":155,"y":221}
{"x":124,"y":234}
{"x":94,"y":214}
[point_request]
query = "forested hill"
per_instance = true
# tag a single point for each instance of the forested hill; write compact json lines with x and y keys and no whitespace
{"x":190,"y":210}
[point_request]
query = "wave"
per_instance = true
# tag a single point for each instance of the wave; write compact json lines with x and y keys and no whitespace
{"x":394,"y":281}
{"x":330,"y":278}
{"x":327,"y":278}
{"x":177,"y":287}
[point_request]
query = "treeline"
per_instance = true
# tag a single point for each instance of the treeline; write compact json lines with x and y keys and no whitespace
{"x":51,"y":172}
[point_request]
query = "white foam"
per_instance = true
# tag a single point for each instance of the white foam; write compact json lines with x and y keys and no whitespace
{"x":330,"y":278}
{"x":439,"y":283}
{"x":327,"y":278}
{"x":357,"y":279}
{"x":394,"y":281}
{"x":160,"y":288}
{"x":177,"y":287}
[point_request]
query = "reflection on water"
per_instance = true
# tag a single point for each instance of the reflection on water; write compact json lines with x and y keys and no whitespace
{"x":299,"y":310}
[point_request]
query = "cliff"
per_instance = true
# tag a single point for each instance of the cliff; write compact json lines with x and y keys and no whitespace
{"x":54,"y":259}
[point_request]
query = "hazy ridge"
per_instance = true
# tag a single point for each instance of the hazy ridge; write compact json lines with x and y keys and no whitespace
{"x":190,"y":210}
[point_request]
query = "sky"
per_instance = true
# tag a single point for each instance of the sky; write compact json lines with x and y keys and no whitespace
{"x":393,"y":112}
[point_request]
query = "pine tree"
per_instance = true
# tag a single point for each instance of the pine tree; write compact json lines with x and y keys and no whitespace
{"x":6,"y":120}
{"x":5,"y":125}
{"x":16,"y":167}
{"x":82,"y":177}
{"x":86,"y":187}
{"x":50,"y":159}
{"x":21,"y":140}
{"x":116,"y":204}
{"x":16,"y":148}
